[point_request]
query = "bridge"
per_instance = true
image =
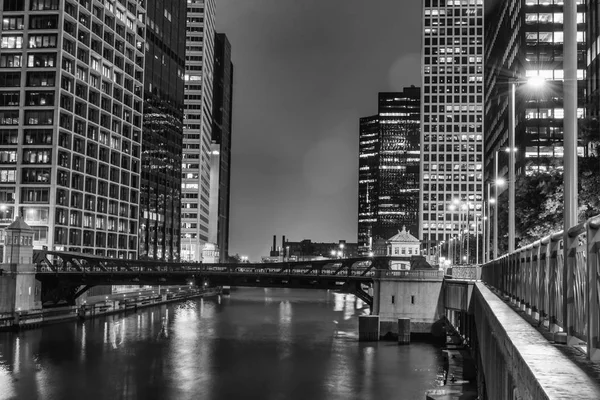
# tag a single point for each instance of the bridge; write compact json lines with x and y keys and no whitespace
{"x":66,"y":276}
{"x":58,"y":277}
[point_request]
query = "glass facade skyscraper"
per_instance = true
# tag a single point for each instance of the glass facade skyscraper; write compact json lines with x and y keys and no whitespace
{"x":160,"y":207}
{"x":221,"y":139}
{"x":452,"y":124}
{"x":71,"y":87}
{"x":197,"y":141}
{"x":388,"y":186}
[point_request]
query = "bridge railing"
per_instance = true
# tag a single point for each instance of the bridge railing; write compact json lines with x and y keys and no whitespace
{"x":566,"y":294}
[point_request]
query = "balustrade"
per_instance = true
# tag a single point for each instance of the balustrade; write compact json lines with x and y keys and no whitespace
{"x":566,"y":293}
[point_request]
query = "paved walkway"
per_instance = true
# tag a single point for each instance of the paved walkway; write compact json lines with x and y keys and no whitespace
{"x":154,"y":292}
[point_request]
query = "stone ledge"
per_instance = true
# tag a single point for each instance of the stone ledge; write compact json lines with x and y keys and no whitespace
{"x":552,"y":375}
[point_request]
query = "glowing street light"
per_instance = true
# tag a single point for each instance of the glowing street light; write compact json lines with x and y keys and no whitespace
{"x":536,"y":81}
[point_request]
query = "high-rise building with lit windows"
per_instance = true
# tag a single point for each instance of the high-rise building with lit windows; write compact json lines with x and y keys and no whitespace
{"x":197,"y":140}
{"x":524,"y":39}
{"x":388,"y":176}
{"x":71,"y":103}
{"x":593,"y":58}
{"x":160,"y":206}
{"x":452,"y":123}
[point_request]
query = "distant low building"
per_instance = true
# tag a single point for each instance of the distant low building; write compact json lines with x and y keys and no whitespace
{"x":403,"y":244}
{"x":307,"y":250}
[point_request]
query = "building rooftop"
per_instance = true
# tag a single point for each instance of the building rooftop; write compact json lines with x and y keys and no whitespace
{"x":403,"y":236}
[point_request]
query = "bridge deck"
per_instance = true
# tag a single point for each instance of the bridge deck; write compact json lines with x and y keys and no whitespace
{"x":553,"y":374}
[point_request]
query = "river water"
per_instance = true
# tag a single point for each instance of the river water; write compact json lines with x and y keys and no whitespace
{"x":256,"y":343}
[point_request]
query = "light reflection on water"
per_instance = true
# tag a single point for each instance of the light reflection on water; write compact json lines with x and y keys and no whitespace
{"x":254,"y":343}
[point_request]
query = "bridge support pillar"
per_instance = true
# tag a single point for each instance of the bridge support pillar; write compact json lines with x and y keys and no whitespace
{"x":403,"y":330}
{"x":20,"y":292}
{"x":368,"y":328}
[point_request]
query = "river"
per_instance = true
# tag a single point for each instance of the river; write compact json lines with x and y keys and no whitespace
{"x":256,"y":343}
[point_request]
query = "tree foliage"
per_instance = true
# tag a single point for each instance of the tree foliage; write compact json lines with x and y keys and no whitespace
{"x":539,"y":202}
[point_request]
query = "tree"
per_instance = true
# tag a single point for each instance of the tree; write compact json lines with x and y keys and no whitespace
{"x":539,"y":202}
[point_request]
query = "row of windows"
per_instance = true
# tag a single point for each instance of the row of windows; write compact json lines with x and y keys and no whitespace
{"x":76,"y":237}
{"x":451,"y":187}
{"x":452,"y":167}
{"x":35,"y":41}
{"x":34,"y":5}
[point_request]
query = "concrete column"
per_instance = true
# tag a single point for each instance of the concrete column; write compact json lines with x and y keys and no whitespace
{"x":403,"y":330}
{"x":376,"y":294}
{"x":368,"y":328}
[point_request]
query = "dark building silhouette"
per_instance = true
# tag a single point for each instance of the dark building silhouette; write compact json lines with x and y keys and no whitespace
{"x":389,"y":156}
{"x":593,"y":68}
{"x":221,"y":137}
{"x":160,"y":205}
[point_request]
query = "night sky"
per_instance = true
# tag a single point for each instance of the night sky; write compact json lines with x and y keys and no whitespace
{"x":305,"y":72}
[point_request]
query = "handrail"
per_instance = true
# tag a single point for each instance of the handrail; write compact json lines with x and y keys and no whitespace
{"x":577,"y":229}
{"x":559,"y":284}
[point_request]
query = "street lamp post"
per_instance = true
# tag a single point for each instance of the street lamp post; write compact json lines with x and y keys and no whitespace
{"x":468,"y":231}
{"x":511,"y":165}
{"x":570,"y":155}
{"x":512,"y":149}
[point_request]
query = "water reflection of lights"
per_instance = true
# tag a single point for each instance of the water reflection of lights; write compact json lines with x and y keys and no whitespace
{"x":285,"y":331}
{"x":83,"y":334}
{"x":369,"y":365}
{"x":268,"y":295}
{"x":338,"y":304}
{"x":17,"y":356}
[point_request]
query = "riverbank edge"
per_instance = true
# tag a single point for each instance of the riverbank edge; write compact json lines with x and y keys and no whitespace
{"x":460,"y":381}
{"x":22,"y":321}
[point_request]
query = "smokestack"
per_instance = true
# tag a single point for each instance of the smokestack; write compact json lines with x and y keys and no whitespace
{"x":274,"y":243}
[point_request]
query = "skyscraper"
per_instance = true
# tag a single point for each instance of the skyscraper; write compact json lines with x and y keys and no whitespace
{"x":452,"y":124}
{"x":524,"y":39}
{"x":197,"y":141}
{"x":388,"y":185}
{"x":160,"y":207}
{"x":593,"y":61}
{"x":538,"y":111}
{"x":71,"y":86}
{"x":221,"y":139}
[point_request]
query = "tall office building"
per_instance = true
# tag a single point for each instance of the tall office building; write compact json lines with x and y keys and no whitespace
{"x":388,"y":184}
{"x":160,"y":207}
{"x":593,"y":59}
{"x":452,"y":124}
{"x":197,"y":140}
{"x":71,"y":86}
{"x":221,"y":140}
{"x":524,"y":38}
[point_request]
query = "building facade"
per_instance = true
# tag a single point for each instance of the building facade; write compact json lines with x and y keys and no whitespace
{"x":452,"y":124}
{"x":593,"y":59}
{"x":197,"y":140}
{"x":160,"y":206}
{"x":71,"y":87}
{"x":524,"y":39}
{"x":389,"y":168}
{"x":221,"y":141}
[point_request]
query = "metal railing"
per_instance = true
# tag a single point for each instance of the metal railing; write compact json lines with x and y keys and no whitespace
{"x":566,"y":294}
